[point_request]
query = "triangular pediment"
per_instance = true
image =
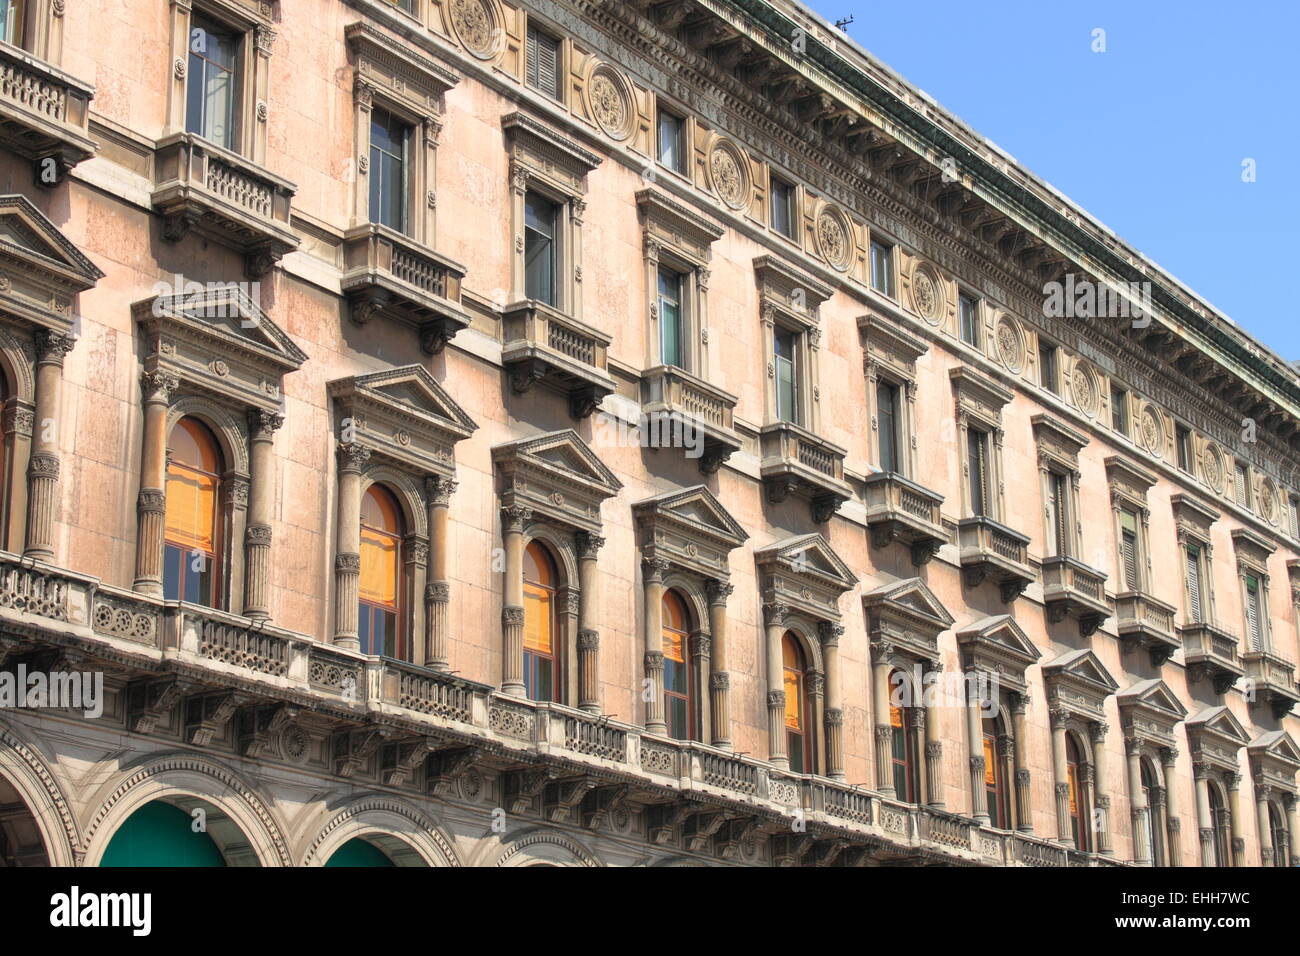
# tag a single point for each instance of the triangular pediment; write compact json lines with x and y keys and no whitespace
{"x":409,"y":389}
{"x":223,"y":312}
{"x":1218,"y":722}
{"x":808,"y":555}
{"x":696,"y":509}
{"x":1152,"y":695}
{"x":563,"y":453}
{"x":1081,"y":666}
{"x":912,"y":596}
{"x":1276,"y":745}
{"x":26,"y":234}
{"x":1001,"y":632}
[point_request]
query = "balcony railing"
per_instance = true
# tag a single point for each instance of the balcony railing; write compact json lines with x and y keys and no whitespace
{"x":1144,"y":622}
{"x":389,"y":273}
{"x":542,"y":344}
{"x":1211,"y":653}
{"x":372,"y":699}
{"x":44,"y":113}
{"x":795,"y":461}
{"x":899,"y":509}
{"x":199,"y":185}
{"x":1072,"y":589}
{"x":673,"y":400}
{"x":990,"y":550}
{"x":1272,"y":678}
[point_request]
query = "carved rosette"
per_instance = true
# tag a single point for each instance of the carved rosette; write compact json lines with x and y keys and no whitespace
{"x":1086,"y":391}
{"x":1212,"y":467}
{"x":728,"y":171}
{"x":1152,"y":430}
{"x":926,"y":297}
{"x":610,"y":100}
{"x":1011,"y":343}
{"x":833,"y":241}
{"x":477,"y":26}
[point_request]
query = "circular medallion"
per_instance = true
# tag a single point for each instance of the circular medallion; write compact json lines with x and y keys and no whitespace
{"x":293,"y":744}
{"x":1153,"y":433}
{"x":1212,"y":468}
{"x":611,"y":104}
{"x":1083,"y":383}
{"x":925,"y":295}
{"x":833,"y":237}
{"x":726,"y":169}
{"x":475,"y":24}
{"x":1011,"y":344}
{"x":1268,"y":508}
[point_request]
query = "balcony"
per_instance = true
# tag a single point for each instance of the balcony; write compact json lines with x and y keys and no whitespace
{"x":679,"y":406}
{"x":202,"y":187}
{"x":387,"y":273}
{"x":992,"y":551}
{"x":1271,"y":677}
{"x":1210,"y":653}
{"x":1073,"y":589}
{"x":795,"y":461}
{"x":1145,"y":622}
{"x":546,"y":346}
{"x":898,"y":509}
{"x":44,"y":114}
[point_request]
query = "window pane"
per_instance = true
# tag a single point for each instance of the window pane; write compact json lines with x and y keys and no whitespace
{"x":670,"y":318}
{"x":976,"y":463}
{"x":787,"y":382}
{"x":882,"y":272}
{"x":540,"y":219}
{"x":781,"y":199}
{"x":969,"y":309}
{"x":1119,"y":410}
{"x":1047,"y":367}
{"x":210,"y":83}
{"x":670,"y":141}
{"x":388,"y":139}
{"x":887,"y":425}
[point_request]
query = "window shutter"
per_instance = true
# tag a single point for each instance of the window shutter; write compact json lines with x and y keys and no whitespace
{"x":978,"y":472}
{"x":1241,"y":486}
{"x":1194,"y":583}
{"x":1252,"y":616}
{"x":543,"y":69}
{"x":1061,"y":508}
{"x":1129,"y":547}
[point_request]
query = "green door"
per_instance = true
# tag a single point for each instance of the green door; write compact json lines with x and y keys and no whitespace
{"x":159,"y":834}
{"x":359,"y":852}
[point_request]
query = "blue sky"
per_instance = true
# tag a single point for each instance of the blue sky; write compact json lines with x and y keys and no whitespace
{"x":1148,"y":136}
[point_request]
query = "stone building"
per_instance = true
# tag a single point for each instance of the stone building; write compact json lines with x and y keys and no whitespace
{"x":591,"y":432}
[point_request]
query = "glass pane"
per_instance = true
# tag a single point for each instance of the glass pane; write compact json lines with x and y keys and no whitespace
{"x":678,"y":718}
{"x":793,"y":703}
{"x":173,"y":560}
{"x":887,"y":425}
{"x":378,"y":568}
{"x":675,"y":676}
{"x":794,"y":744}
{"x":540,"y":219}
{"x":780,"y":201}
{"x":670,"y":141}
{"x":537,"y":619}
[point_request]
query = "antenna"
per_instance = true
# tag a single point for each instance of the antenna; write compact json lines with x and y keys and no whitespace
{"x":842,"y":24}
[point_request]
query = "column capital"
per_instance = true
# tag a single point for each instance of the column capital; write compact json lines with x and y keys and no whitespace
{"x":352,"y":456}
{"x":589,"y":545}
{"x":774,"y":613}
{"x":829,"y":632}
{"x":438,"y":489}
{"x":1168,"y":755}
{"x":158,"y":386}
{"x":718,"y":591}
{"x":263,"y":424}
{"x":52,"y":346}
{"x":1097,"y":730}
{"x":654,"y":569}
{"x":514,"y":518}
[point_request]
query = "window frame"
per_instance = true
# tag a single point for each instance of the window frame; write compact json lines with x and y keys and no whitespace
{"x":877,"y":247}
{"x":687,"y":635}
{"x":682,"y":136}
{"x":554,"y":247}
{"x":534,"y":29}
{"x":976,"y":339}
{"x":807,"y":731}
{"x":791,"y":206}
{"x":554,"y":626}
{"x":402,"y":644}
{"x":1184,"y":452}
{"x":233,"y":118}
{"x":218,"y":596}
{"x":1119,"y":402}
{"x":1049,"y":366}
{"x":406,"y":169}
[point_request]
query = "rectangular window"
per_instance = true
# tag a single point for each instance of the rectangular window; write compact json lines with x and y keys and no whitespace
{"x":887,"y":426}
{"x":1119,"y":410}
{"x":11,"y":21}
{"x":1295,"y":517}
{"x":541,"y":218}
{"x":1195,"y":592}
{"x":1058,"y":510}
{"x":977,"y":453}
{"x":543,"y":67}
{"x":787,"y":376}
{"x":781,"y":200}
{"x":211,"y":83}
{"x":968,"y":315}
{"x":882,"y":268}
{"x":1183,"y":441}
{"x":1241,"y":484}
{"x":670,"y":319}
{"x":1128,"y":549}
{"x":1047,"y":376}
{"x":672,"y":141}
{"x":388,"y":144}
{"x":1254,"y":622}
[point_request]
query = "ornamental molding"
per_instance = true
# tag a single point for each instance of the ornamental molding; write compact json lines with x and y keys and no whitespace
{"x":610,"y":101}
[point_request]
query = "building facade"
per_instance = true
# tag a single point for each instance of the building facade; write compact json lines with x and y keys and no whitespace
{"x":591,"y":432}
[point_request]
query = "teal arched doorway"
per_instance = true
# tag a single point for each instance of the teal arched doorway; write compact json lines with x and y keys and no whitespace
{"x":359,"y":852}
{"x":159,"y":834}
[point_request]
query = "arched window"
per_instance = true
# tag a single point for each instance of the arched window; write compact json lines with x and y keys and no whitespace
{"x":995,"y":783}
{"x":678,"y":703}
{"x":799,"y":744}
{"x":904,"y":748}
{"x":1150,"y":788}
{"x":541,"y":657}
{"x":192,"y":535}
{"x":1279,"y":837}
{"x":1222,"y":827}
{"x":1074,"y":766}
{"x":379,"y":618}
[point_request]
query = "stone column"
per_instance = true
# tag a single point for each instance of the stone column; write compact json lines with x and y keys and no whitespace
{"x":1204,"y":821}
{"x":933,"y":758}
{"x":719,"y":679}
{"x":1061,"y":777}
{"x":1024,"y":821}
{"x":829,"y":633}
{"x":43,"y":465}
{"x":151,"y":505}
{"x":1100,"y":792}
{"x":1233,"y":783}
{"x":347,"y":544}
{"x":1160,"y":827}
{"x":262,"y":426}
{"x":1174,"y":824}
{"x":1264,"y":831}
{"x":1143,"y":854}
{"x":975,"y":738}
{"x":652,"y":570}
{"x":1292,"y":828}
{"x":880,"y":670}
{"x":438,"y":490}
{"x":588,"y":616}
{"x":513,"y":520}
{"x":775,"y":615}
